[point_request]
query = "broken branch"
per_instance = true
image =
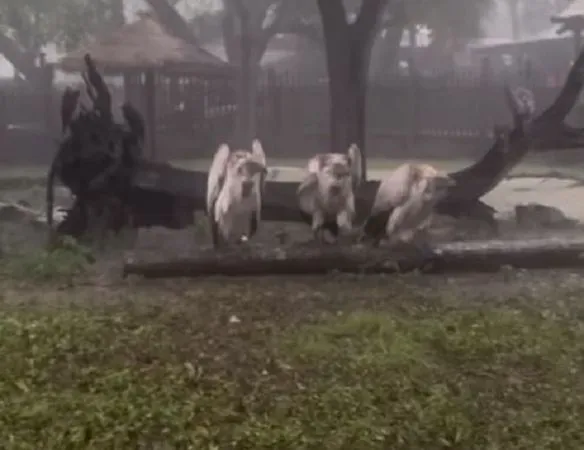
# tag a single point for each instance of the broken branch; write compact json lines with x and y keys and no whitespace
{"x":487,"y":256}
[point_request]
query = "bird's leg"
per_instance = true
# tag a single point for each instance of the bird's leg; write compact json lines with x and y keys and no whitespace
{"x":215,"y":233}
{"x":319,"y":235}
{"x":253,"y":225}
{"x":317,"y":227}
{"x":345,"y":226}
{"x":421,"y":242}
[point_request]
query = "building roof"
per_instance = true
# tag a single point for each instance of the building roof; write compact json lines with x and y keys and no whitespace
{"x":143,"y":44}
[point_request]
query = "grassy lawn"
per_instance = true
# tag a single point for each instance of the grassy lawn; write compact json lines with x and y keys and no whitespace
{"x":299,"y":363}
{"x":323,"y":363}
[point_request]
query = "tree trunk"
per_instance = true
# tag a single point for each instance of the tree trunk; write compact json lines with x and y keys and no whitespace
{"x":486,"y":256}
{"x":249,"y":64}
{"x":245,"y":44}
{"x":347,"y":97}
{"x":347,"y":65}
{"x":246,"y":117}
{"x":348,"y":51}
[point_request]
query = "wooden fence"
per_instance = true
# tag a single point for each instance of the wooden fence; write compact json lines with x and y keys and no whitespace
{"x":194,"y":114}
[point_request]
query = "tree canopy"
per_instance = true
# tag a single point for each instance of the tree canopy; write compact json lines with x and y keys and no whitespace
{"x":34,"y":23}
{"x":27,"y":25}
{"x":459,"y":19}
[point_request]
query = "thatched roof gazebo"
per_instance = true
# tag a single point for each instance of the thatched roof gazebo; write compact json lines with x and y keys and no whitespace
{"x":145,"y":46}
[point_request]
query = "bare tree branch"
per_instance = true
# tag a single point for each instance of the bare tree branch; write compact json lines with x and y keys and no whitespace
{"x":23,"y":62}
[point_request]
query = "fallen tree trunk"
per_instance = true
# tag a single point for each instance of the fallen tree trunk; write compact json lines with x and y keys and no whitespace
{"x":549,"y":130}
{"x":158,"y":194}
{"x":157,"y":186}
{"x":280,"y":202}
{"x":480,"y":256}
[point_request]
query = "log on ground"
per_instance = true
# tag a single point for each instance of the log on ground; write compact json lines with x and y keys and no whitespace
{"x":477,"y":256}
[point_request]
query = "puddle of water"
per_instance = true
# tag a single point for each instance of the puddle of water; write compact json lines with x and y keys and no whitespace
{"x":562,"y":194}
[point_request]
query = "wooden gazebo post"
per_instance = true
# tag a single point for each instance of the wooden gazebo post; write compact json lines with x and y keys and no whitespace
{"x":150,"y":112}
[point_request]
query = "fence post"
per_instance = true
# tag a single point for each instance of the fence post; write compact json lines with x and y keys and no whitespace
{"x":47,"y":73}
{"x":274,"y":89}
{"x":485,"y":85}
{"x":415,"y":89}
{"x":3,"y":115}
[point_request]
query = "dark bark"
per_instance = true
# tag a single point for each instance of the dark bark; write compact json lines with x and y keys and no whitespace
{"x":348,"y":51}
{"x":546,"y":128}
{"x":245,"y":42}
{"x":248,"y":63}
{"x":488,"y":256}
{"x":96,"y":157}
{"x":549,"y":131}
{"x":507,"y":151}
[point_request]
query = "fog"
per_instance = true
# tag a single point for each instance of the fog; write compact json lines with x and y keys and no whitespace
{"x":132,"y":8}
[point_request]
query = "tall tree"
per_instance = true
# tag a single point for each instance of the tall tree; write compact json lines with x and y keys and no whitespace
{"x":348,"y":30}
{"x":28,"y":25}
{"x":349,"y":37}
{"x":247,"y":26}
{"x":348,"y":46}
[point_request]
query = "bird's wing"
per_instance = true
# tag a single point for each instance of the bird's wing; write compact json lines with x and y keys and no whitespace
{"x":216,"y":176}
{"x":316,"y":162}
{"x":306,"y":193}
{"x":257,"y":151}
{"x":393,"y":190}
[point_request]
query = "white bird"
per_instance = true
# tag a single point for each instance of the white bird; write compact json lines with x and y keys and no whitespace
{"x":235,"y":186}
{"x":404,"y":204}
{"x":327,"y":195}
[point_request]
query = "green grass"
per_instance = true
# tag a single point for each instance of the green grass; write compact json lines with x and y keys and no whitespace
{"x":302,"y":363}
